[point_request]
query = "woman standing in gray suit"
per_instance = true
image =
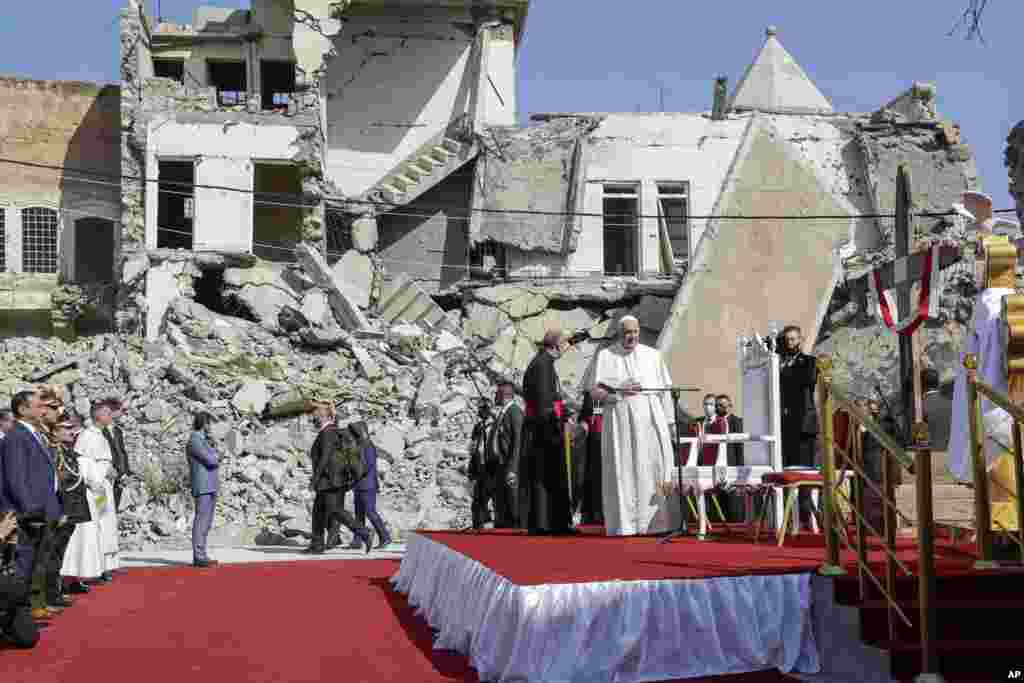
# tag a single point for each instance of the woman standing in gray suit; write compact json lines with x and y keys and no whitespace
{"x":203,"y":465}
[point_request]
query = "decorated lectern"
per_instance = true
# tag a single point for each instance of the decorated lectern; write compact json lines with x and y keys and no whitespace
{"x":758,"y":366}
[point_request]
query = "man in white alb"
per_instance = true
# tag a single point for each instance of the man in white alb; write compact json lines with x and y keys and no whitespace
{"x":92,"y":552}
{"x":636,"y":442}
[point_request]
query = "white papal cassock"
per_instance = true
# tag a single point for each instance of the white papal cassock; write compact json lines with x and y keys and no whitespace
{"x":636,"y":444}
{"x":983,"y":339}
{"x":92,"y":549}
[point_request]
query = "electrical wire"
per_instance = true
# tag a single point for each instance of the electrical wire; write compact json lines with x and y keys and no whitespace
{"x":433,"y":209}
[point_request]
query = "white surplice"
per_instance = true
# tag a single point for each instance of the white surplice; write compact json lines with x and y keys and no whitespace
{"x":93,"y":548}
{"x":984,"y":339}
{"x":636,"y":444}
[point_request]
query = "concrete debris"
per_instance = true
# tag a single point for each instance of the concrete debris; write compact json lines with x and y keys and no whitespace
{"x":346,"y":312}
{"x":365,"y":233}
{"x":354,"y":272}
{"x":252,"y":398}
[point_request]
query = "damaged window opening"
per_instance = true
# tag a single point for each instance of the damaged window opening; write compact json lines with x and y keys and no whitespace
{"x":276,"y":229}
{"x":673,"y":208}
{"x":621,"y":224}
{"x":487,"y":260}
{"x":39,"y":240}
{"x":277,"y":81}
{"x":210,"y":293}
{"x":175,"y":204}
{"x":229,"y":78}
{"x":3,"y":240}
{"x":170,"y":68}
{"x":339,"y":235}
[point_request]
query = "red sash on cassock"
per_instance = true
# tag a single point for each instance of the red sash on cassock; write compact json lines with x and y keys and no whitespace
{"x":531,"y":409}
{"x":596,"y":423}
{"x":709,"y":453}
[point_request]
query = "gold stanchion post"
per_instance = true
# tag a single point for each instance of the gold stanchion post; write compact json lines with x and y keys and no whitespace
{"x":830,"y":518}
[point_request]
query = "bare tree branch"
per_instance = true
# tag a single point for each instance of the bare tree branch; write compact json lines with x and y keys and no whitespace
{"x":970,"y":20}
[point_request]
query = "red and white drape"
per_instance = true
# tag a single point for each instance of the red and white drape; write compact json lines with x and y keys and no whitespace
{"x":927,"y":300}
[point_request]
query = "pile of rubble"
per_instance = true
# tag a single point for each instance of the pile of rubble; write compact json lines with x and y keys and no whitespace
{"x":418,"y":390}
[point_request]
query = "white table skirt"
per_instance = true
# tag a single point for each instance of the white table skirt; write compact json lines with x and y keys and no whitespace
{"x":608,"y":632}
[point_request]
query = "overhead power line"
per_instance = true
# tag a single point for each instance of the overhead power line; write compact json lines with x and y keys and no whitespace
{"x":524,"y":212}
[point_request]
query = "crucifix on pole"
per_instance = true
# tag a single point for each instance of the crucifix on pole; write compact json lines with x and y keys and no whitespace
{"x":909,"y":267}
{"x":910,"y":345}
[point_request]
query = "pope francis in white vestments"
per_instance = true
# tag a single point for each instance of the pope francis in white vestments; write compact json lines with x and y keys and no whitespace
{"x":93,"y":549}
{"x":636,"y":441}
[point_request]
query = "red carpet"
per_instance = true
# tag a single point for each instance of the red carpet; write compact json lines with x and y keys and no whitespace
{"x":283,"y":622}
{"x":534,"y":560}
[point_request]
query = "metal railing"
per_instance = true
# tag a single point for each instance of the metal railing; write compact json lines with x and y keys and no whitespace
{"x":917,"y":459}
{"x":977,"y":389}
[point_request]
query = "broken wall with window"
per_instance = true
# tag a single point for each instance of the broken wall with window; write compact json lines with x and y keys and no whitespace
{"x":59,"y":204}
{"x":223,"y":121}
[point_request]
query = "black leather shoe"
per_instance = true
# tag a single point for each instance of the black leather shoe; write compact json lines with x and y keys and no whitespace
{"x":355,"y":545}
{"x":205,"y":564}
{"x":59,"y":602}
{"x":76,"y":588}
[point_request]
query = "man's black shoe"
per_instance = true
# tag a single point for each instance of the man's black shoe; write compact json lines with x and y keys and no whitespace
{"x":76,"y":588}
{"x":59,"y":602}
{"x":205,"y":564}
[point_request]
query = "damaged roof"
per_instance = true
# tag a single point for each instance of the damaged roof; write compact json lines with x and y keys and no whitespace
{"x":530,"y":168}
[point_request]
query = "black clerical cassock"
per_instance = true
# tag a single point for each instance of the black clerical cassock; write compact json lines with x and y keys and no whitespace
{"x":544,"y":480}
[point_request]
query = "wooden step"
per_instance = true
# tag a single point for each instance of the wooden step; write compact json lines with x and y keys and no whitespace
{"x":996,"y":584}
{"x":955,"y":620}
{"x":983,"y":660}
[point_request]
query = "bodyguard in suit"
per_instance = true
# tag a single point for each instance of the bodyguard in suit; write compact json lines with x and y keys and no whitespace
{"x":498,"y":479}
{"x":115,"y":437}
{"x":798,"y":379}
{"x":366,"y":488}
{"x":329,"y":483}
{"x":29,"y":478}
{"x":204,"y":466}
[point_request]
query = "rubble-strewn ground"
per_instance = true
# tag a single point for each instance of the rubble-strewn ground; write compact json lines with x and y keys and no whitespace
{"x":420,"y":406}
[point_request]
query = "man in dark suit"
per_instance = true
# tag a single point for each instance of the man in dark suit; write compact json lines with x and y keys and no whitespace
{"x":798,"y":379}
{"x":29,"y":478}
{"x":544,"y":475}
{"x":730,"y":424}
{"x":591,"y":421}
{"x":365,"y":490}
{"x":329,"y":483}
{"x":498,"y":476}
{"x":115,"y":437}
{"x":15,"y":616}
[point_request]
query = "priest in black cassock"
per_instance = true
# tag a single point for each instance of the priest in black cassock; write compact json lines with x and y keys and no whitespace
{"x":546,"y":508}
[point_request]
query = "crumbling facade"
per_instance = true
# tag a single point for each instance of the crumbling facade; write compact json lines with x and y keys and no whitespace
{"x":57,"y":227}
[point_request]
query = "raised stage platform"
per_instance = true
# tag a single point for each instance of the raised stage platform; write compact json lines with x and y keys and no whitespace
{"x":591,"y":608}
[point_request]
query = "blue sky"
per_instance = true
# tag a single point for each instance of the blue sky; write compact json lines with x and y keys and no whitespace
{"x":608,"y":55}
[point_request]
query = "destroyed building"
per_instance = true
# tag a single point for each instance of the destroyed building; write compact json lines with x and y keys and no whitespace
{"x":377,"y":143}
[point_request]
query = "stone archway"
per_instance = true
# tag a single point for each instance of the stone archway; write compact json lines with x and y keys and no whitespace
{"x":94,"y":250}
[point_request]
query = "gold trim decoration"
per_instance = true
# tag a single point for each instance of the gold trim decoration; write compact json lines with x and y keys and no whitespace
{"x":971,"y":361}
{"x":919,"y":433}
{"x":1000,"y":263}
{"x":824,"y":364}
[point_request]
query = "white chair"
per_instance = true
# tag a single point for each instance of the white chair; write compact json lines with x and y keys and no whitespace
{"x":759,"y":379}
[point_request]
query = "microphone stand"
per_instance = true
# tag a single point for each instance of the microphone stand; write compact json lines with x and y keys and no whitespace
{"x":677,"y":449}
